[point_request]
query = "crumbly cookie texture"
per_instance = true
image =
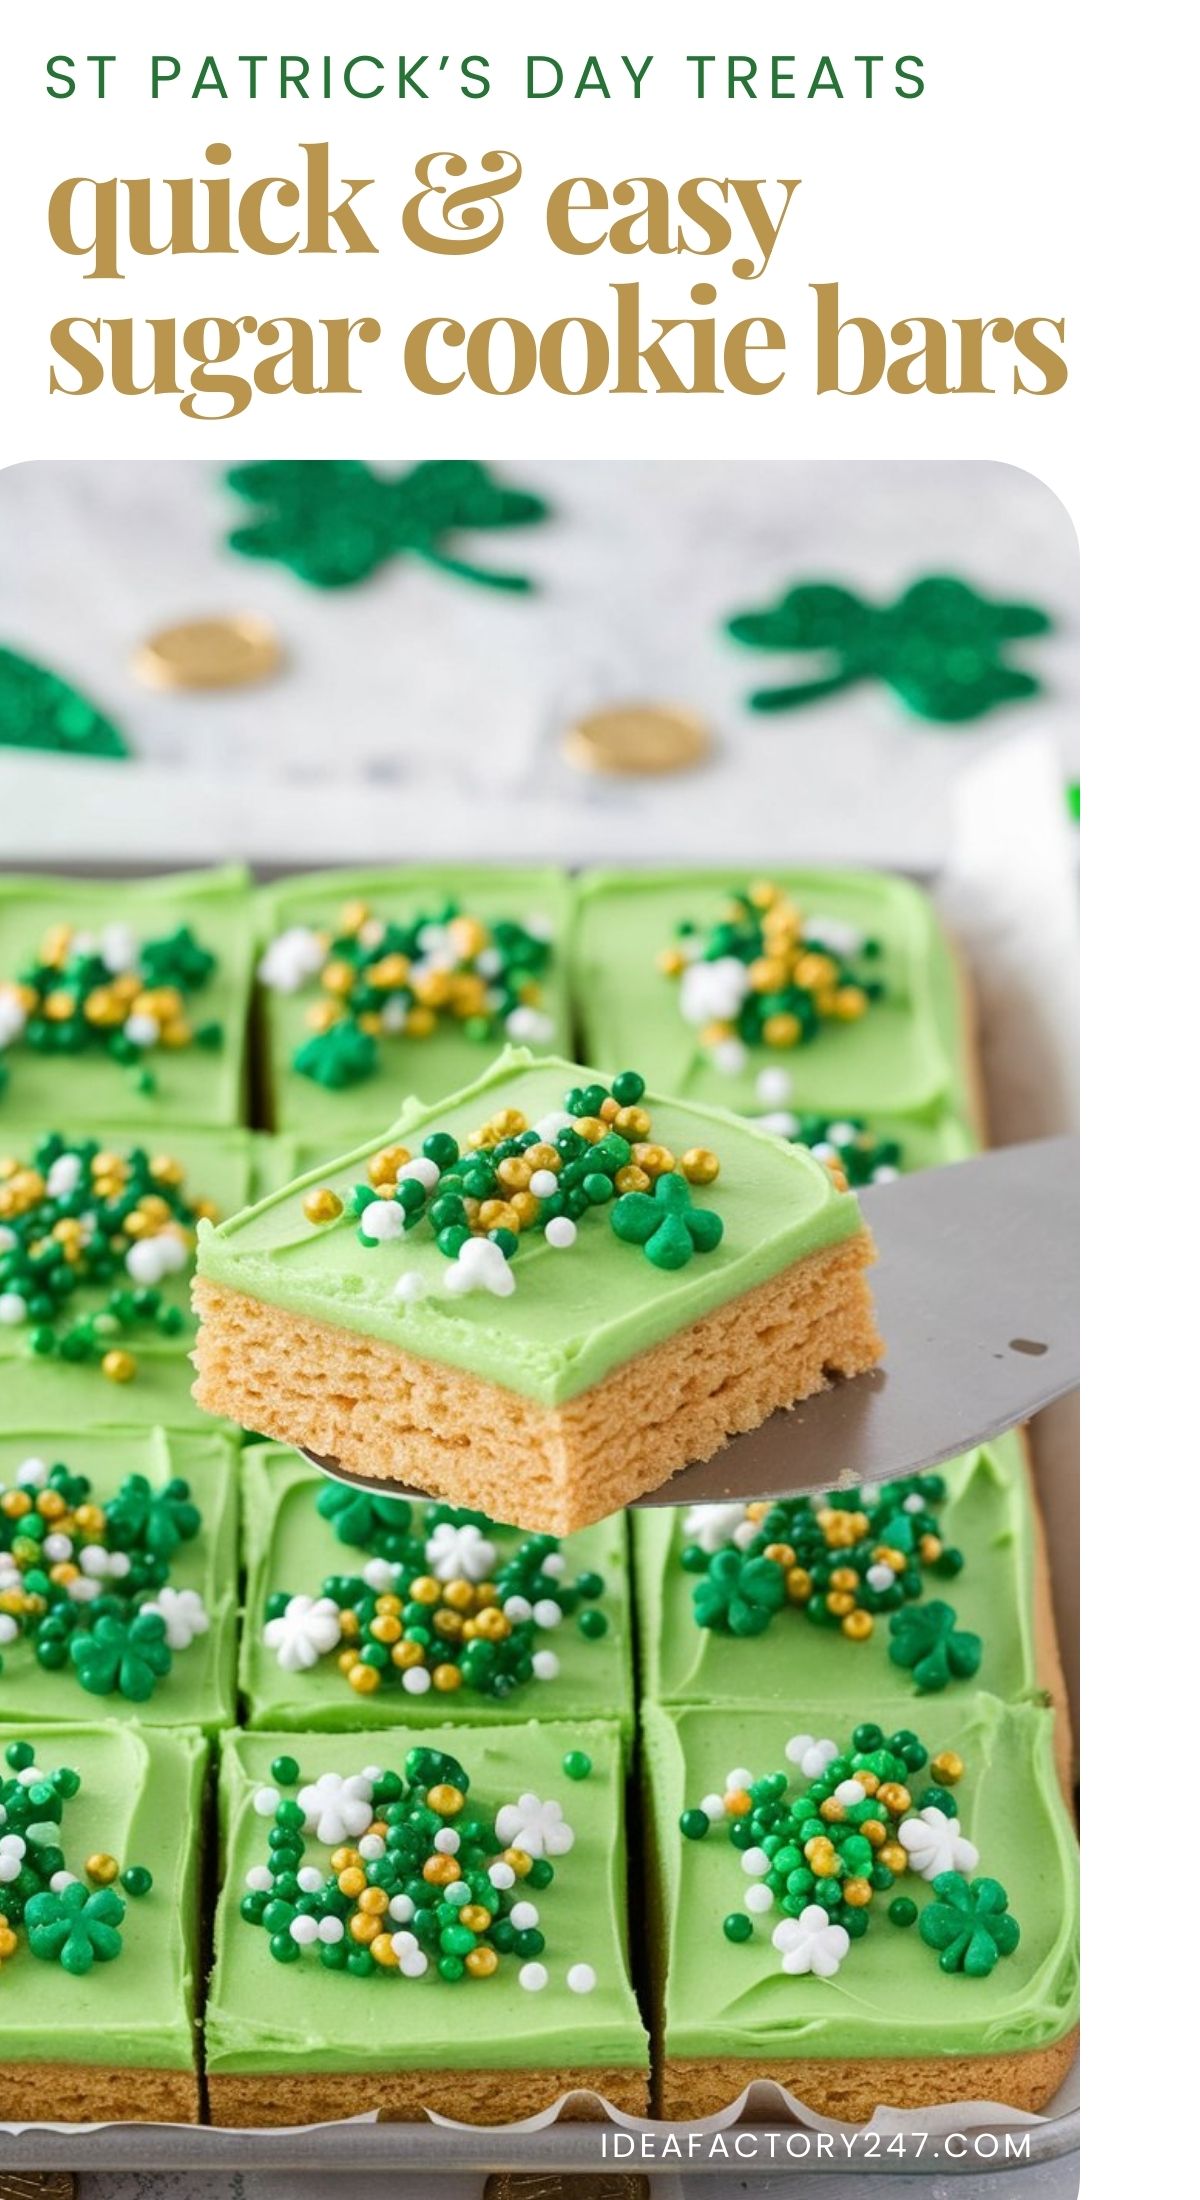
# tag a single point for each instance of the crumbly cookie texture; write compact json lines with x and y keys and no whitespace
{"x":383,"y":1412}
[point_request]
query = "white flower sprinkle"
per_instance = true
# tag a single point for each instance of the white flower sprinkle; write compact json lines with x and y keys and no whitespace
{"x":810,"y":1943}
{"x":291,"y":959}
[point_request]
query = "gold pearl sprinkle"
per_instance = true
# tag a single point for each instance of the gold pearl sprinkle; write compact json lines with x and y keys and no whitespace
{"x":322,"y":1205}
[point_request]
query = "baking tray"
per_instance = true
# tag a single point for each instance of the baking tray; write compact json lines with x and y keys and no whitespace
{"x":1037,"y":2158}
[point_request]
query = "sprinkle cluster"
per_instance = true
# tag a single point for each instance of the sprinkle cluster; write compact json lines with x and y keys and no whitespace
{"x":79,"y":1216}
{"x":853,"y":1153}
{"x":818,"y":1842}
{"x":109,"y":993}
{"x":419,"y":1882}
{"x":767,"y":975}
{"x":514,"y":1177}
{"x":433,"y":1607}
{"x":382,"y":978}
{"x":74,"y":1922}
{"x":844,"y":1560}
{"x":88,"y":1584}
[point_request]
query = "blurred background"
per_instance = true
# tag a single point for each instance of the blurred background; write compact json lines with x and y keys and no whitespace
{"x":417,"y":713}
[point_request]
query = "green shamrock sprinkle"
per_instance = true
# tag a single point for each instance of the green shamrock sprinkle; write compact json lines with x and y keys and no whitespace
{"x":122,"y":1658}
{"x":928,"y":1643}
{"x":141,"y":1517}
{"x":356,"y":1516}
{"x":939,"y":646}
{"x":38,"y":710}
{"x":76,"y":1928}
{"x":739,"y":1596}
{"x":969,"y":1924}
{"x":665,"y":1224}
{"x":336,"y":521}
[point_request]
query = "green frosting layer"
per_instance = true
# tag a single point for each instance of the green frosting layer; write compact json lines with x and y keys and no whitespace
{"x":448,"y":1058}
{"x":140,"y":1802}
{"x":194,"y":1085}
{"x":906,"y":1057}
{"x":987,"y":1514}
{"x":889,"y":1997}
{"x":289,"y":1546}
{"x":199,"y":1689}
{"x":574,"y":1315}
{"x":262,"y":2018}
{"x":34,"y":1393}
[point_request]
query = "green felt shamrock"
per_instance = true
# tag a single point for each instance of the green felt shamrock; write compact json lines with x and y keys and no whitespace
{"x":939,"y":646}
{"x":358,"y":1517}
{"x":142,"y":1518}
{"x":335,"y":521}
{"x":739,"y":1596}
{"x":929,"y":1644}
{"x":969,"y":1924}
{"x":75,"y":1927}
{"x":38,"y":710}
{"x":122,"y":1657}
{"x":665,"y":1224}
{"x":342,"y":1056}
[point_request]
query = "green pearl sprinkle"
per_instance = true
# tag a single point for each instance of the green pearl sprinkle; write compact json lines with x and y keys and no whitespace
{"x":577,"y":1764}
{"x":694,"y":1824}
{"x":738,"y":1926}
{"x":903,"y":1911}
{"x":285,"y":1771}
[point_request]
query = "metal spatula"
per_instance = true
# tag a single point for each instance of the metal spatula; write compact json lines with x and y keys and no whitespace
{"x":977,"y":1295}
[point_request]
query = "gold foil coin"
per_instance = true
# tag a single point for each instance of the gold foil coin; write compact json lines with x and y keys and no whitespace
{"x":638,"y":738}
{"x":210,"y":653}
